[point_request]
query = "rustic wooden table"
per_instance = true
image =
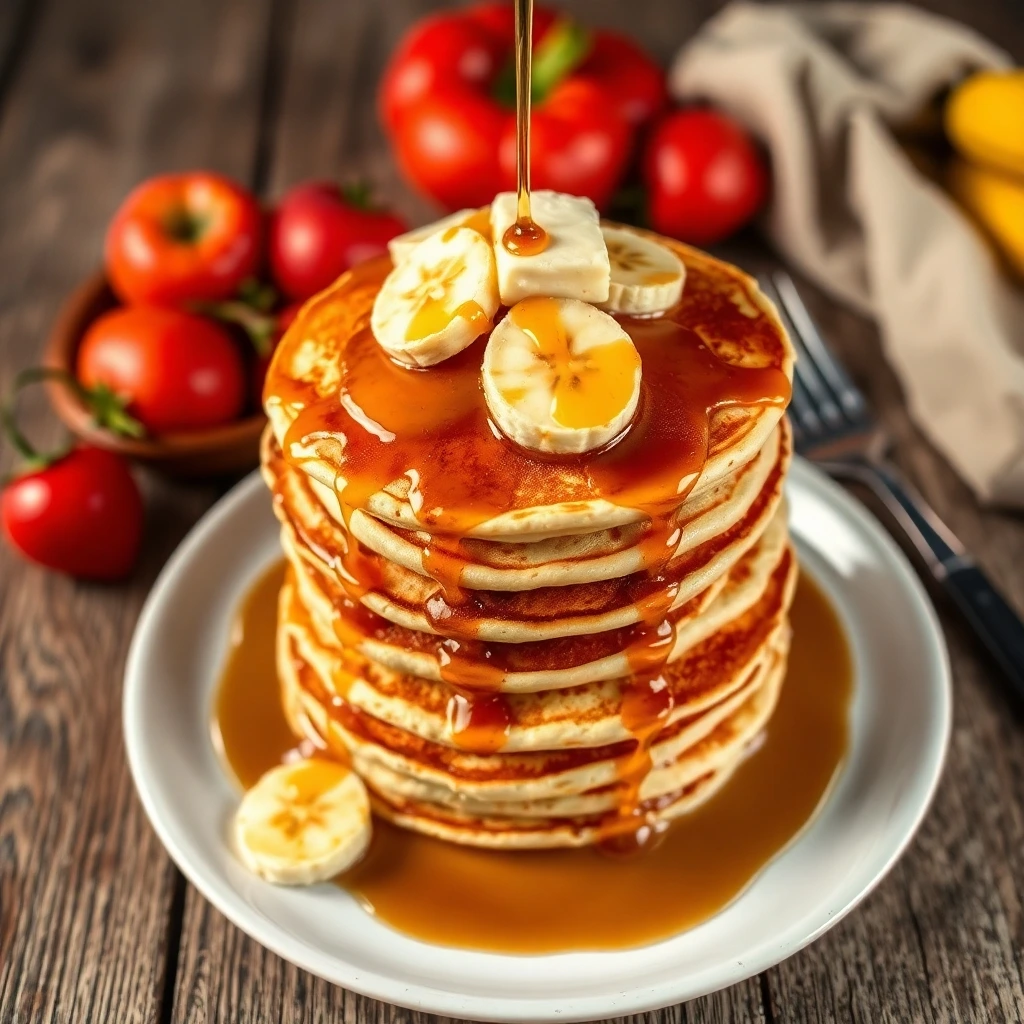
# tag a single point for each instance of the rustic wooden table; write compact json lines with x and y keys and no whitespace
{"x":96,"y":924}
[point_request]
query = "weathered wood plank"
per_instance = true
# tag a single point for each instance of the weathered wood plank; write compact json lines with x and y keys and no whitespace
{"x":109,"y":92}
{"x":18,"y":18}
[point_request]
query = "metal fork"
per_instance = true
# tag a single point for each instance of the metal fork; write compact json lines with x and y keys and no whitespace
{"x":834,"y":427}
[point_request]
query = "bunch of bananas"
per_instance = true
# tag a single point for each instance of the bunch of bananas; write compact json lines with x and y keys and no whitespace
{"x":984,"y":120}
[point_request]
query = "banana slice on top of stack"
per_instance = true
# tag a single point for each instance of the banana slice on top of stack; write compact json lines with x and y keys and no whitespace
{"x":439,"y":299}
{"x":559,"y":373}
{"x":560,"y":376}
{"x":645,"y":276}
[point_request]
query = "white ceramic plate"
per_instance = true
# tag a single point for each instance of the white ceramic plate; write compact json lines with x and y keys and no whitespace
{"x":901,"y":721}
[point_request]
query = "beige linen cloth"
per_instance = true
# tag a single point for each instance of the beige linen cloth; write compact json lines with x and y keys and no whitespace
{"x":820,"y":84}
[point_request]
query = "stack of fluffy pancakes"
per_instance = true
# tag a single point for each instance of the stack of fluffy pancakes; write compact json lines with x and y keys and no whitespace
{"x":555,"y":673}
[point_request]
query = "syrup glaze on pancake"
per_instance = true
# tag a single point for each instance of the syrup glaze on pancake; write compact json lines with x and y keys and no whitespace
{"x":581,"y":557}
{"x":384,"y":422}
{"x":407,"y":597}
{"x":545,"y":665}
{"x":569,"y":616}
{"x":582,"y":716}
{"x":376,"y":422}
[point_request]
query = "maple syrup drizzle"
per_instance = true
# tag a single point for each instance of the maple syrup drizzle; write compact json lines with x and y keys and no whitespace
{"x":475,"y":665}
{"x":479,"y":723}
{"x":566,"y":900}
{"x":524,"y":237}
{"x":467,"y":665}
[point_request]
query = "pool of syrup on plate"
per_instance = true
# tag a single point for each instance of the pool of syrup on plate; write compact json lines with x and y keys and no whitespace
{"x":561,"y":900}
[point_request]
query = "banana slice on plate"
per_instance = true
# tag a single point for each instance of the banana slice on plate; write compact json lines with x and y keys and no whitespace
{"x":438,"y":300}
{"x":560,"y":376}
{"x":646,"y":277}
{"x":303,"y":822}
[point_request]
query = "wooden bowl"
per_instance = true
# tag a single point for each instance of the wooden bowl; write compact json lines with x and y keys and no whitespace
{"x":229,"y":449}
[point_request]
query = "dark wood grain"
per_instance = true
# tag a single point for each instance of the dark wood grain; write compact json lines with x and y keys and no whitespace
{"x":105,"y":94}
{"x":95,"y":924}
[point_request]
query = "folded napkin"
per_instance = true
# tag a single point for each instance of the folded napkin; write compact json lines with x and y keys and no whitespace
{"x":822,"y":85}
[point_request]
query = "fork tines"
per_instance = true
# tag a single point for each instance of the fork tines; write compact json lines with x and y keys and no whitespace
{"x":826,"y":404}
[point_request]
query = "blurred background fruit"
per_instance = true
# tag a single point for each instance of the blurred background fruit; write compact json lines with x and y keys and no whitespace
{"x":79,"y":513}
{"x":447,"y":101}
{"x":985,"y":120}
{"x":996,"y":201}
{"x":229,"y":448}
{"x":183,"y":237}
{"x":703,"y":175}
{"x":318,"y":230}
{"x":173,"y":370}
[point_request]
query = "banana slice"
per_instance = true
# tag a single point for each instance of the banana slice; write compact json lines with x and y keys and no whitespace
{"x":303,"y":822}
{"x":646,"y":277}
{"x":560,"y":376}
{"x":479,"y":219}
{"x":438,"y":300}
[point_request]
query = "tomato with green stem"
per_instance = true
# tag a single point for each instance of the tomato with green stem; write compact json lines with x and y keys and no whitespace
{"x":77,"y":510}
{"x":448,"y":102}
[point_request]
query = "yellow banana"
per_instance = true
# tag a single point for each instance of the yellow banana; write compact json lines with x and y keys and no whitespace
{"x":997,"y":202}
{"x":985,"y":120}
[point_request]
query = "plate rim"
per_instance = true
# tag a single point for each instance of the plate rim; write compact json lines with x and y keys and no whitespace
{"x":426,"y":998}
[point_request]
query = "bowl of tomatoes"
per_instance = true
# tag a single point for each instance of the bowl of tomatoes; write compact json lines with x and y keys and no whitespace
{"x":218,"y":435}
{"x":161,"y":355}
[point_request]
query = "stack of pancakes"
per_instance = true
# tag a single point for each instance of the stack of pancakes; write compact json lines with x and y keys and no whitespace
{"x":557,"y":672}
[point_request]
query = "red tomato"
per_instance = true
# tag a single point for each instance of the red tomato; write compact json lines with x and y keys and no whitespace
{"x":447,"y":103}
{"x":183,"y":237}
{"x":574,"y":142}
{"x":81,"y":515}
{"x":624,"y":71}
{"x":705,"y":178}
{"x":451,"y":148}
{"x":438,"y":48}
{"x":317,"y":233}
{"x":175,"y":370}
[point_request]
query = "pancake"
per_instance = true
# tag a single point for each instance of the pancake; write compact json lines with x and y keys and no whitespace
{"x":550,"y":561}
{"x":587,"y":715}
{"x":420,"y":603}
{"x":721,"y":308}
{"x":515,"y":650}
{"x":543,"y":665}
{"x":584,"y":812}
